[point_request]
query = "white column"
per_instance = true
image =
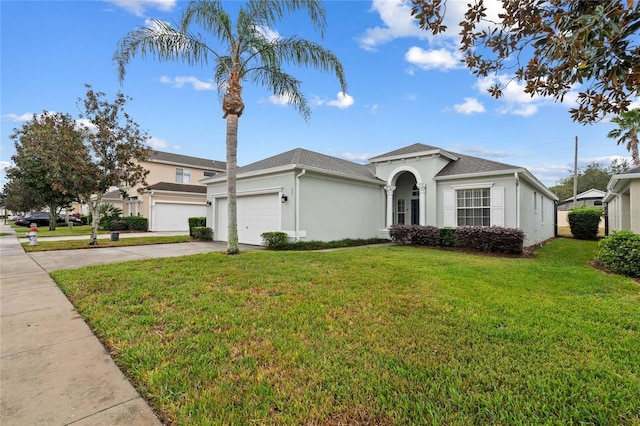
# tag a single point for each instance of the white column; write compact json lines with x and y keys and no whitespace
{"x":389,"y":190}
{"x":422,"y":187}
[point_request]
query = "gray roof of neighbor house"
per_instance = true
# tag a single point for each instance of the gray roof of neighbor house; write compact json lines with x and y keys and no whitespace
{"x":177,"y":187}
{"x":112,"y":195}
{"x":632,"y":171}
{"x":303,"y":158}
{"x":186,"y":160}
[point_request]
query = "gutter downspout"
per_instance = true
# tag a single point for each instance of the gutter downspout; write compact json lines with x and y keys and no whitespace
{"x":517,"y":200}
{"x":302,"y":173}
{"x":150,"y":210}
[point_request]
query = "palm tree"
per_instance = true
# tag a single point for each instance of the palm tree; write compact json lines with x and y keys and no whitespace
{"x":628,"y":129}
{"x":242,"y":52}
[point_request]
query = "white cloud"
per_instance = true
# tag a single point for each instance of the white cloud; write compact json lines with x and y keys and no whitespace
{"x":4,"y":165}
{"x":179,"y":82}
{"x":469,"y":106}
{"x":84,"y":123}
{"x":157,"y":143}
{"x":27,"y":116}
{"x":280,"y":99}
{"x":441,"y":59}
{"x":357,"y":157}
{"x":397,"y":22}
{"x":137,"y":7}
{"x":342,"y":101}
{"x":269,"y":34}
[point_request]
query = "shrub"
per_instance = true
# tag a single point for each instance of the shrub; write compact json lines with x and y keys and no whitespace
{"x":136,"y":223}
{"x":276,"y":240}
{"x":425,"y":235}
{"x":490,"y":239}
{"x":401,"y":234}
{"x":86,"y":220}
{"x":620,"y":252}
{"x":119,"y":225}
{"x":447,"y":237}
{"x":196,"y":221}
{"x":584,"y":221}
{"x":108,"y":213}
{"x":201,"y":232}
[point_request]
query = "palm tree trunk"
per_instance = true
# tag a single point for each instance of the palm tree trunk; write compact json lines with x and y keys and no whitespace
{"x":232,"y":154}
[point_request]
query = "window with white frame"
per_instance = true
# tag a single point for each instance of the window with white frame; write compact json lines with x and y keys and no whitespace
{"x":400,"y":211}
{"x":183,"y":175}
{"x":473,"y":207}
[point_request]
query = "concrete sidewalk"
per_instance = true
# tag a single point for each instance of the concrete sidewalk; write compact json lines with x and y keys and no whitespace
{"x":53,"y":370}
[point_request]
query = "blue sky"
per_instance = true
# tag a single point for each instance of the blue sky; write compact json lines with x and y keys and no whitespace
{"x":404,"y":87}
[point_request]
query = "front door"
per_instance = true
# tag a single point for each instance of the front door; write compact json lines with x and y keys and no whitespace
{"x":415,"y":212}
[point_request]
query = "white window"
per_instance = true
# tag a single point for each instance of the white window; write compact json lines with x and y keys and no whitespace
{"x":400,"y":212}
{"x":415,"y":192}
{"x":473,"y":207}
{"x":183,"y":175}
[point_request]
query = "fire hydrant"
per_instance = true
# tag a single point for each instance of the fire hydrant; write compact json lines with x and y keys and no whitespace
{"x":33,"y":235}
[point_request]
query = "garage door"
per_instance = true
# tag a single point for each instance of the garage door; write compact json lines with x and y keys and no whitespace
{"x":256,"y":214}
{"x":175,"y":217}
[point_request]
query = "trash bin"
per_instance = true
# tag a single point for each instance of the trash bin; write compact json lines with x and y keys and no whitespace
{"x":115,"y":236}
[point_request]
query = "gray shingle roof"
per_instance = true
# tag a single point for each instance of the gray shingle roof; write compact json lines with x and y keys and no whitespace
{"x":178,"y":187}
{"x":466,"y":164}
{"x":304,"y":158}
{"x":632,"y":171}
{"x":411,"y":149}
{"x":186,"y":160}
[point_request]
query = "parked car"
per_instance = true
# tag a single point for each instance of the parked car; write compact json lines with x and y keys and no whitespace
{"x":42,"y":219}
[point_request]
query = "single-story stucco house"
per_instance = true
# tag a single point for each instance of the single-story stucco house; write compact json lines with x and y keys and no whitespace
{"x":312,"y":196}
{"x":623,"y":202}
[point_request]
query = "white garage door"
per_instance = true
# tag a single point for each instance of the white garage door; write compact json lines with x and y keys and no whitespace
{"x":256,"y":214}
{"x":175,"y":217}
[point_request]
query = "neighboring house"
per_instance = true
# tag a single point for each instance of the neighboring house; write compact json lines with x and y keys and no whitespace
{"x":174,"y":192}
{"x":623,"y":201}
{"x":313,"y":196}
{"x":592,"y":198}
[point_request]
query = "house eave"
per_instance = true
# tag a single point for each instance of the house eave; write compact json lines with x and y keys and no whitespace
{"x":187,"y":165}
{"x":415,"y":155}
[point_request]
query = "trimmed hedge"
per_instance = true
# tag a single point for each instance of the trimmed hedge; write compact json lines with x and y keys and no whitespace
{"x":620,"y":252}
{"x":129,"y":223}
{"x":201,"y":232}
{"x":489,"y":239}
{"x":275,"y":240}
{"x":198,"y":221}
{"x":584,"y":222}
{"x":495,"y":239}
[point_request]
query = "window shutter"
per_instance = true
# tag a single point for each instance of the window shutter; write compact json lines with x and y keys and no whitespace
{"x":449,"y":208}
{"x":497,"y":206}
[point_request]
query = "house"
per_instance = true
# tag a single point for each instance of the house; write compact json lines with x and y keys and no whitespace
{"x":623,"y":201}
{"x":592,"y":197}
{"x":173,"y":192}
{"x":312,"y":196}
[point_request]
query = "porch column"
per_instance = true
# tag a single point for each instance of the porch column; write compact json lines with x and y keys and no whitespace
{"x":389,"y":190}
{"x":422,"y":187}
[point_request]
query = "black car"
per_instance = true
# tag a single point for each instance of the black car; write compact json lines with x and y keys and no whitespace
{"x":42,"y":219}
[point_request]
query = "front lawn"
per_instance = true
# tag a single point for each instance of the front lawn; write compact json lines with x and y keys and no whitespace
{"x":384,"y":336}
{"x":61,"y":230}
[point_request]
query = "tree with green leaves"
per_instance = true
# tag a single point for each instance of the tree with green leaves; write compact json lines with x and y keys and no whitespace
{"x":627,"y":132}
{"x":553,"y":46}
{"x":47,"y":165}
{"x":116,"y":145}
{"x":237,"y":52}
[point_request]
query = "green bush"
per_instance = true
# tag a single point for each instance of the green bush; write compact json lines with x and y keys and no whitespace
{"x":136,"y":223}
{"x":620,"y":252}
{"x":201,"y":232}
{"x":119,"y":225}
{"x":195,"y":222}
{"x":584,"y":222}
{"x":496,"y":239}
{"x":275,"y":240}
{"x":108,"y":213}
{"x":86,"y":220}
{"x":447,"y":237}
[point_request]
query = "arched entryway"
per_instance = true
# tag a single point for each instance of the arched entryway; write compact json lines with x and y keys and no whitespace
{"x":405,"y":198}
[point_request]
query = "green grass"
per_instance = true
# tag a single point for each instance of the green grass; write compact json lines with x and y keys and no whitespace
{"x":102,"y":243}
{"x":60,"y":231}
{"x":385,"y":336}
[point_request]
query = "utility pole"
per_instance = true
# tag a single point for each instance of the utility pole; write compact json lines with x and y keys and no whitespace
{"x":575,"y":176}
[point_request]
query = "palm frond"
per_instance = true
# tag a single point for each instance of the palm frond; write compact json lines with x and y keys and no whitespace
{"x":162,"y":42}
{"x":282,"y":84}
